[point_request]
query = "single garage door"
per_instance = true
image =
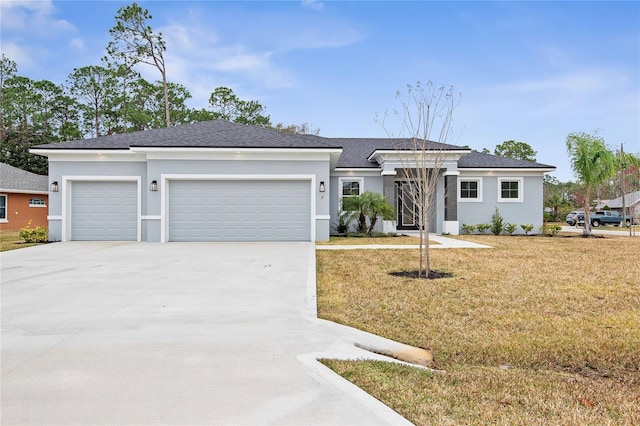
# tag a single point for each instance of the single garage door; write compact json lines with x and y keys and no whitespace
{"x":237,"y":210}
{"x":104,"y":211}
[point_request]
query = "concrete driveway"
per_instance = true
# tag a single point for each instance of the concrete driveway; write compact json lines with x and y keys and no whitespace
{"x":193,"y":333}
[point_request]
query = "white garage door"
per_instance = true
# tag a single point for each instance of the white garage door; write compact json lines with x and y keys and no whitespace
{"x":236,"y":210}
{"x":104,"y":211}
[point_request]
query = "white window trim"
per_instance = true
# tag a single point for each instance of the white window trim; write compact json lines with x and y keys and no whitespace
{"x":469,"y":179}
{"x":6,"y":209}
{"x":520,"y":181}
{"x":37,"y":205}
{"x":348,"y":179}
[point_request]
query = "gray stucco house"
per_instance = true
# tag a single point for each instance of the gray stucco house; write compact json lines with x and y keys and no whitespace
{"x":221,"y":181}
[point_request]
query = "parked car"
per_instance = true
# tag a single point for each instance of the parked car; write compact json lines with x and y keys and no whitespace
{"x":575,"y":217}
{"x":601,"y":217}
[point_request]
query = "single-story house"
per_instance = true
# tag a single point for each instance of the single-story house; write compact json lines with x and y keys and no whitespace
{"x":631,"y":201}
{"x":222,"y":181}
{"x":23,"y":198}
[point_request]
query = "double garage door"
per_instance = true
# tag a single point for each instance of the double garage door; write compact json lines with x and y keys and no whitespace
{"x":197,"y":210}
{"x":239,"y":210}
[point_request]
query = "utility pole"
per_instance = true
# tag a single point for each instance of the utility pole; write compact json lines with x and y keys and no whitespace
{"x":624,"y":190}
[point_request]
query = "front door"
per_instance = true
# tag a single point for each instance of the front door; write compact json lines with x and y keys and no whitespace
{"x":407,"y":212}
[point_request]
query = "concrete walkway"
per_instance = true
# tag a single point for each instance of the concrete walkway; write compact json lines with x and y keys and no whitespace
{"x":443,"y":243}
{"x":152,"y":334}
{"x":624,"y":232}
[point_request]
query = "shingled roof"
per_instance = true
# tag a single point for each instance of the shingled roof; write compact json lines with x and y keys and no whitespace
{"x":478,"y":160}
{"x":13,"y":179}
{"x":225,"y":134}
{"x":356,"y":151}
{"x":205,"y":134}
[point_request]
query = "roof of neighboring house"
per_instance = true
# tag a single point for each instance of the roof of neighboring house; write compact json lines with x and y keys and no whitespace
{"x":478,"y":160}
{"x":225,"y":134}
{"x":205,"y":134}
{"x":631,"y":199}
{"x":13,"y":179}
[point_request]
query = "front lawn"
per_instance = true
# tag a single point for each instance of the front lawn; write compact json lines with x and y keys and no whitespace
{"x":537,"y":330}
{"x":10,"y":240}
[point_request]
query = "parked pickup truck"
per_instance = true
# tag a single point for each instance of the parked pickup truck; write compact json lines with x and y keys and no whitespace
{"x":605,"y":217}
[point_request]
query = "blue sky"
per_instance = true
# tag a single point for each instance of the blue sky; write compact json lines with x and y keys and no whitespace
{"x":529,"y":71}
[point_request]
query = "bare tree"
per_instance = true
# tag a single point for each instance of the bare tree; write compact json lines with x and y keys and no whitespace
{"x":426,"y":112}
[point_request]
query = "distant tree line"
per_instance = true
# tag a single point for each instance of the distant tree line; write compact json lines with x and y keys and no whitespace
{"x":113,"y":97}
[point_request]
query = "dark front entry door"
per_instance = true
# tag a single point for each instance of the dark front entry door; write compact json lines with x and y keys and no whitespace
{"x":407,"y":212}
{"x":408,"y":218}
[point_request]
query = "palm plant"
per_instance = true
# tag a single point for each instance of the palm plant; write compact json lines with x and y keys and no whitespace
{"x":592,"y":164}
{"x":367,"y":206}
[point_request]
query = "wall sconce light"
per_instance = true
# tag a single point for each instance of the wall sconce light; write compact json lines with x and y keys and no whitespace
{"x":322,"y":186}
{"x":153,"y":186}
{"x":54,"y":186}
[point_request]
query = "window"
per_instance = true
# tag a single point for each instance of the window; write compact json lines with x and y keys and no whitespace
{"x":350,"y":187}
{"x":470,"y":190}
{"x":3,"y":208}
{"x":37,"y":202}
{"x":510,"y":190}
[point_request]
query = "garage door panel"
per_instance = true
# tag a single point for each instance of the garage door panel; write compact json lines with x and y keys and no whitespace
{"x":239,"y":210}
{"x":103,"y":210}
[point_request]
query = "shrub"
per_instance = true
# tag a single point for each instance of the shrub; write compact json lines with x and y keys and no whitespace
{"x":527,"y":228}
{"x":367,"y":206}
{"x":497,"y":222}
{"x":39,"y":234}
{"x":551,"y":230}
{"x":482,"y":227}
{"x":342,"y":226}
{"x":468,"y":229}
{"x":510,"y":228}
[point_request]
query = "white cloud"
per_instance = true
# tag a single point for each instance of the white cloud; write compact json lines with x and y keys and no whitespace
{"x":313,"y":4}
{"x":77,"y":43}
{"x":36,"y":17}
{"x":21,"y":55}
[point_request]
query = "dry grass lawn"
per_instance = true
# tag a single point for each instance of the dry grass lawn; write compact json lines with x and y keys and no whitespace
{"x":10,"y":240}
{"x":537,"y":330}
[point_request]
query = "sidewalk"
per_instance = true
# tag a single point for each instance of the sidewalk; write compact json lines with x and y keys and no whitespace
{"x":443,"y":243}
{"x":623,"y":232}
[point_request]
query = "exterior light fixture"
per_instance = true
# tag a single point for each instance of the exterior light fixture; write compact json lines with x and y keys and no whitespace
{"x":153,"y":186}
{"x":322,"y":186}
{"x":54,"y":186}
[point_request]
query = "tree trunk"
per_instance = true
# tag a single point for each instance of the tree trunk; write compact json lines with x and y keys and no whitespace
{"x":587,"y":217}
{"x":165,"y":91}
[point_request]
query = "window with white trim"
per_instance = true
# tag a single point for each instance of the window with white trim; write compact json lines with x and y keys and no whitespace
{"x":3,"y":208}
{"x":37,"y":202}
{"x":470,"y":190}
{"x":510,"y":190}
{"x":350,"y":187}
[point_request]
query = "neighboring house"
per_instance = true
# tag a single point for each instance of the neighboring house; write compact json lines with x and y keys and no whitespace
{"x":23,"y":198}
{"x":631,"y":201}
{"x":222,"y":181}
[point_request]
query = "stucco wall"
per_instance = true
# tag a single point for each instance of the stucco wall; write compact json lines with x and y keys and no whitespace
{"x":529,"y":211}
{"x":155,"y":170}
